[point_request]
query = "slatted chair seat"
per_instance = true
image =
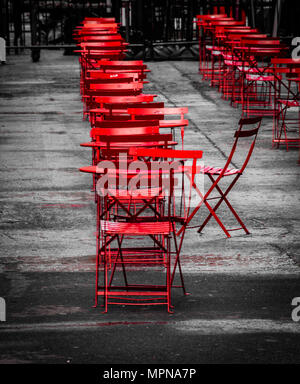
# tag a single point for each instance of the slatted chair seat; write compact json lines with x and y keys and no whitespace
{"x":289,"y":103}
{"x":250,"y":135}
{"x":218,"y":171}
{"x":173,"y":123}
{"x":137,"y":229}
{"x":136,"y":194}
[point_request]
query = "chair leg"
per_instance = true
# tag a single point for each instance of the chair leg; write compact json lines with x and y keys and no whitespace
{"x":168,"y":282}
{"x":105,"y":296}
{"x":213,"y":213}
{"x":96,"y":281}
{"x":224,"y":198}
{"x":177,"y":262}
{"x":122,"y":260}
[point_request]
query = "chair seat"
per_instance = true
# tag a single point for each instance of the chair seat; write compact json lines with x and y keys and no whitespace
{"x":290,"y":103}
{"x":257,"y":77}
{"x":138,"y":229}
{"x":136,"y":194}
{"x":216,"y":171}
{"x":211,"y":170}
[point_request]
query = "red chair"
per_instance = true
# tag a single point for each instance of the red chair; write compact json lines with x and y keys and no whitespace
{"x":110,"y":146}
{"x":101,"y":38}
{"x":158,"y":229}
{"x":216,"y":175}
{"x":141,"y":255}
{"x":115,"y":89}
{"x":103,"y":44}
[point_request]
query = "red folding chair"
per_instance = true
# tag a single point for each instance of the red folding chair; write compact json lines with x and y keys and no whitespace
{"x":119,"y":202}
{"x":216,"y":175}
{"x":140,"y":255}
{"x":159,"y":229}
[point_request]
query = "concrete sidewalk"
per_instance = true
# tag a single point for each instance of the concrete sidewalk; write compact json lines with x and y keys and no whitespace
{"x":241,"y":288}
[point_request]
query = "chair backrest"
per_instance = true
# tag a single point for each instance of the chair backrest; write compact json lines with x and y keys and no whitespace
{"x":110,"y":78}
{"x":138,"y":105}
{"x":226,"y":22}
{"x":240,"y":36}
{"x":103,"y":75}
{"x":142,"y":75}
{"x":166,"y":153}
{"x":112,"y":147}
{"x":155,"y":137}
{"x":260,"y":42}
{"x":211,"y":17}
{"x":101,"y":37}
{"x":123,"y":63}
{"x":119,"y":65}
{"x":98,"y":20}
{"x":136,"y":127}
{"x":140,"y":139}
{"x":103,"y":45}
{"x":79,"y":34}
{"x":238,"y":29}
{"x":133,"y":88}
{"x":108,"y":28}
{"x":124,"y":99}
{"x":157,"y":111}
{"x":118,"y":111}
{"x":209,"y":21}
{"x":99,"y":26}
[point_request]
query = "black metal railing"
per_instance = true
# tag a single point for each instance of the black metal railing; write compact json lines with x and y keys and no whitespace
{"x":50,"y":23}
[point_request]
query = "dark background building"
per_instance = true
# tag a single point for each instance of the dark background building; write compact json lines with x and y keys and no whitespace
{"x":26,"y":23}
